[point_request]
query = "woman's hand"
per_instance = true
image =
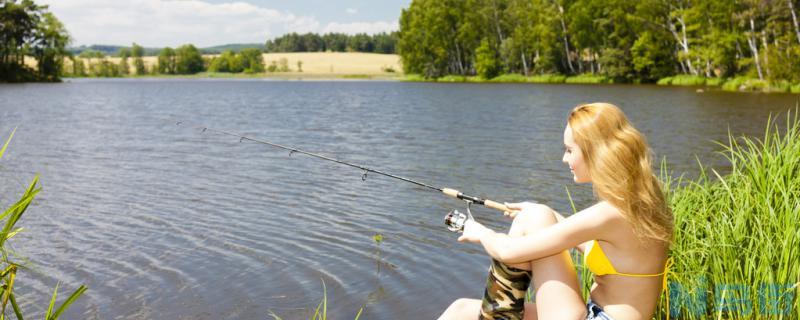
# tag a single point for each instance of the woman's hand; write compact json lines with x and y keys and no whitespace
{"x":516,"y":208}
{"x":473,"y":232}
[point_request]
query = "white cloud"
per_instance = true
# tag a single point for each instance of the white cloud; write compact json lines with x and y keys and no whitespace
{"x":172,"y":23}
{"x":155,"y":23}
{"x":361,"y":27}
{"x":351,"y":10}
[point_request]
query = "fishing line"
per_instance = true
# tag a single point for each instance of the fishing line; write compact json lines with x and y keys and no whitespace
{"x":453,"y":217}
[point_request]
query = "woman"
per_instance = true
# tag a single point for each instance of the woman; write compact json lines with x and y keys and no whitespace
{"x":625,"y":236}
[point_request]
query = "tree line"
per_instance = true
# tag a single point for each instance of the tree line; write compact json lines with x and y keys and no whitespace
{"x":28,"y":29}
{"x":336,"y":42}
{"x":627,"y":41}
{"x":184,"y":60}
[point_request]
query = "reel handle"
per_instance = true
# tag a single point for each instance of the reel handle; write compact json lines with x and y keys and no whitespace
{"x":485,"y":202}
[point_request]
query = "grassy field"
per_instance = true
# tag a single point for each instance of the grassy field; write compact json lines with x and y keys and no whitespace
{"x":352,"y":65}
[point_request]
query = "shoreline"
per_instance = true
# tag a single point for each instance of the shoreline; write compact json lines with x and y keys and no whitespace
{"x":701,"y":84}
{"x":399,"y":77}
{"x":288,"y":76}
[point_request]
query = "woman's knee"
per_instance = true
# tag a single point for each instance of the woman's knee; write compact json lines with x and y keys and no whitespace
{"x":531,"y":219}
{"x":462,"y":308}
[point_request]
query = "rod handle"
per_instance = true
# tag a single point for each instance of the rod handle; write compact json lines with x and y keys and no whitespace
{"x":487,"y":203}
{"x":451,"y":192}
{"x":496,"y":205}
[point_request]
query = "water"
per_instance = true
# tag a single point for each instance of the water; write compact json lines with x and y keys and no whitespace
{"x":167,"y":222}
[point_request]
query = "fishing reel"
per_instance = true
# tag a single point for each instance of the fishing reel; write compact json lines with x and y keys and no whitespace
{"x":455,"y":220}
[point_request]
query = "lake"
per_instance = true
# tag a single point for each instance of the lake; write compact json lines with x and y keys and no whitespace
{"x":169,"y":222}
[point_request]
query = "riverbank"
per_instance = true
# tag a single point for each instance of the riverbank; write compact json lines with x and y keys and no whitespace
{"x":738,"y":84}
{"x":288,"y":76}
{"x":296,"y":65}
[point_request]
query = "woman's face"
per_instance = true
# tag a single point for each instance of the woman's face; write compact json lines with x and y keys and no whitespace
{"x":573,"y":156}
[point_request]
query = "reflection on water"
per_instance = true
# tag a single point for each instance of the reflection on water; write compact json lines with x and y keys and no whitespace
{"x":166,"y":222}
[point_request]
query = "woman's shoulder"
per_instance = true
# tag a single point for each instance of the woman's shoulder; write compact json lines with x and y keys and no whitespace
{"x":607,"y":211}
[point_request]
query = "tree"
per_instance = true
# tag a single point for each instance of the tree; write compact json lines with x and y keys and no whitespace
{"x":29,"y":29}
{"x":188,"y":60}
{"x":167,"y":61}
{"x":138,"y":64}
{"x":651,"y":58}
{"x":252,"y":61}
{"x":486,"y":64}
{"x":49,"y":47}
{"x":124,"y":54}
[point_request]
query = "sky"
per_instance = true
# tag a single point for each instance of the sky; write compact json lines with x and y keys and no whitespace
{"x":205,"y":23}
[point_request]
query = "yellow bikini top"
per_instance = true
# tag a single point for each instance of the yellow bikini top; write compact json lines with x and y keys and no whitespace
{"x":596,"y":260}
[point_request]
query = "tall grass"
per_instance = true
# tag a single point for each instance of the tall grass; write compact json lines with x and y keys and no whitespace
{"x":9,"y":267}
{"x":737,"y":236}
{"x":683,"y":80}
{"x":588,"y":78}
{"x":321,"y":312}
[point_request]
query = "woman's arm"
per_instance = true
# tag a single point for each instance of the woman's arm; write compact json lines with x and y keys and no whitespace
{"x":583,"y":226}
{"x":518,"y":207}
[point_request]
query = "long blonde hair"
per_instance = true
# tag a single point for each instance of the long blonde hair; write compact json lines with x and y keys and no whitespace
{"x":619,"y":163}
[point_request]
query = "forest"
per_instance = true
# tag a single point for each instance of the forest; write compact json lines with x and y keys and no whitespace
{"x":622,"y":41}
{"x":28,"y":29}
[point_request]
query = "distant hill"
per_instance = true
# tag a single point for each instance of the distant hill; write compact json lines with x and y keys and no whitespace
{"x":235,"y":47}
{"x":111,"y":50}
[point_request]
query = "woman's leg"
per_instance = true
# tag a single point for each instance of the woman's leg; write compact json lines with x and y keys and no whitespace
{"x":558,"y":294}
{"x":462,"y":309}
{"x":557,"y":290}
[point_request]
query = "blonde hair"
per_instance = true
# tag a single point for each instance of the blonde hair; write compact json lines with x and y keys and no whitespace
{"x":619,"y":163}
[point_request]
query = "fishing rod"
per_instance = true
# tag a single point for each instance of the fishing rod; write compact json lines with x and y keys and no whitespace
{"x":454,"y":219}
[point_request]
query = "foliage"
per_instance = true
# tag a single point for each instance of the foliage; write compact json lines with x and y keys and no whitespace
{"x":252,"y":61}
{"x":321,"y":312}
{"x":336,"y":42}
{"x":137,"y":52}
{"x":9,"y":267}
{"x":512,"y":77}
{"x":228,"y":61}
{"x":741,"y":229}
{"x":188,"y":60}
{"x":686,"y":80}
{"x":626,"y":41}
{"x":486,"y":65}
{"x":28,"y":29}
{"x":588,"y":78}
{"x":167,"y":64}
{"x":548,"y":78}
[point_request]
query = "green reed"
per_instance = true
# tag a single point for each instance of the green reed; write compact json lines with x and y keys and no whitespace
{"x":321,"y":312}
{"x":9,"y":267}
{"x":737,"y":238}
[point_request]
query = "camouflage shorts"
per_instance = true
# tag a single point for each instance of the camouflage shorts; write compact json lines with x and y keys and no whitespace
{"x":504,"y":297}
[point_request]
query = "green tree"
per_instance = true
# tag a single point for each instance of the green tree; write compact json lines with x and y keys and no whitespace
{"x":124,"y":54}
{"x":487,"y":65}
{"x":167,"y":62}
{"x":78,"y":68}
{"x":651,"y":58}
{"x":137,"y":52}
{"x":49,"y":47}
{"x":252,"y":61}
{"x":29,"y":29}
{"x":188,"y":60}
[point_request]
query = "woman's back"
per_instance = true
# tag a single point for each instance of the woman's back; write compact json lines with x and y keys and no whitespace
{"x":628,"y":297}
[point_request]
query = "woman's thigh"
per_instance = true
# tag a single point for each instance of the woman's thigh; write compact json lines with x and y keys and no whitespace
{"x":462,"y":309}
{"x":558,"y":294}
